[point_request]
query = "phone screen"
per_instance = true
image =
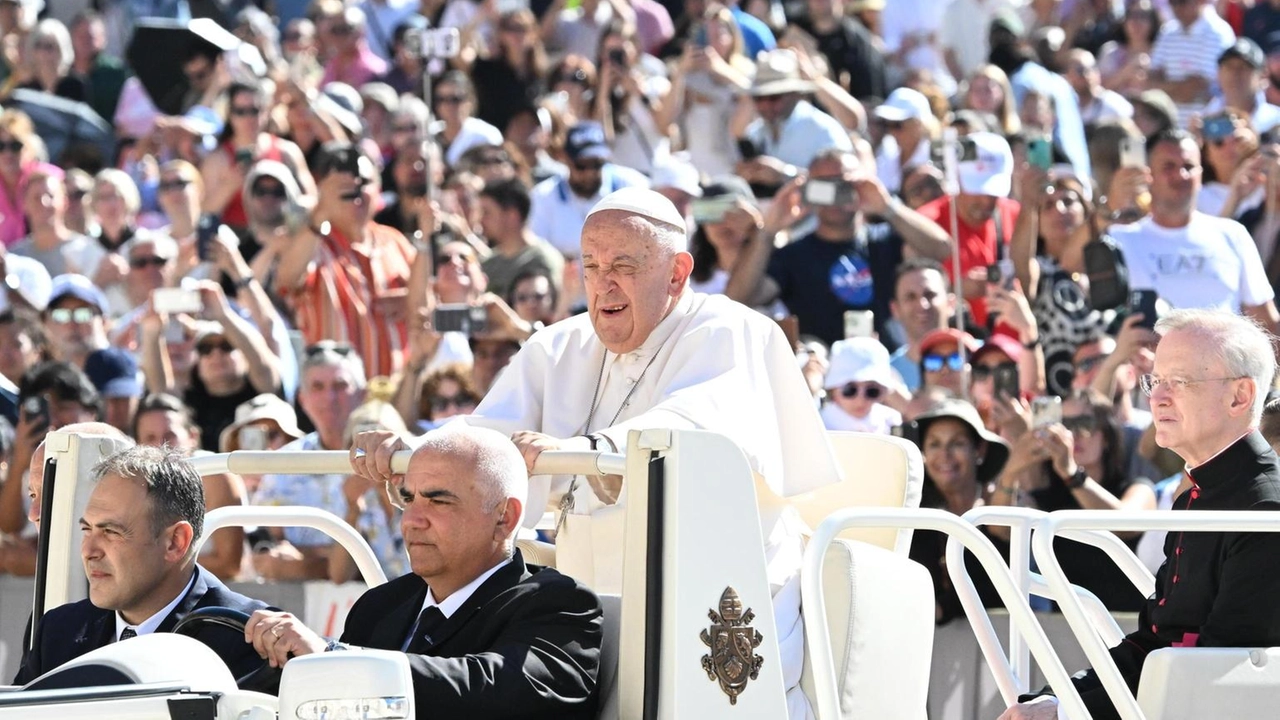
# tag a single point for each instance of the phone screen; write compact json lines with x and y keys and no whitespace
{"x":460,"y":318}
{"x":1046,"y":411}
{"x":711,"y":210}
{"x":1040,"y":153}
{"x":1144,"y":301}
{"x":859,"y":323}
{"x":1133,"y":153}
{"x":205,"y":232}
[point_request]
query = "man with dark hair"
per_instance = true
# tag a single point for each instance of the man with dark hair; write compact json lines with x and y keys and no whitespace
{"x":1192,"y":260}
{"x":922,"y":302}
{"x":103,"y":74}
{"x":504,"y":219}
{"x":140,"y":527}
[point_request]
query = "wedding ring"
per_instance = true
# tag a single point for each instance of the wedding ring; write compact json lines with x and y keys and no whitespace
{"x":276,"y":630}
{"x":360,"y":453}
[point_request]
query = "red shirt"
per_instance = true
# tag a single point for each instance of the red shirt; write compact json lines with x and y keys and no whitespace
{"x":977,"y":244}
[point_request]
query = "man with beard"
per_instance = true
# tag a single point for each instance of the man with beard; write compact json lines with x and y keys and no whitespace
{"x":347,"y":276}
{"x":560,"y":205}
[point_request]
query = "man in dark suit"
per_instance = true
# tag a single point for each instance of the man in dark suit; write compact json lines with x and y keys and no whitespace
{"x":139,"y":554}
{"x":486,"y":634}
{"x":1215,"y":589}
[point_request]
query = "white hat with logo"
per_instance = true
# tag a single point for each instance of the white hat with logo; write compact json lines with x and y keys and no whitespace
{"x":990,"y":173}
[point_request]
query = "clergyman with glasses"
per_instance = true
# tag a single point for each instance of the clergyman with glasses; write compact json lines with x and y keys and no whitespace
{"x":1208,"y":388}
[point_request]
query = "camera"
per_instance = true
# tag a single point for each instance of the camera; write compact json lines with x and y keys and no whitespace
{"x":618,"y":56}
{"x":444,"y":43}
{"x":460,"y":317}
{"x":829,"y":193}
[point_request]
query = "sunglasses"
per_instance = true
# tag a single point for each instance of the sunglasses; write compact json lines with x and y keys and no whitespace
{"x":77,"y":194}
{"x":328,"y":346}
{"x":450,"y":258}
{"x":982,"y":372}
{"x":142,"y":263}
{"x":531,"y":297}
{"x":441,"y":403}
{"x":870,"y":391}
{"x":935,"y":363}
{"x":276,"y":191}
{"x":1083,"y":424}
{"x":171,"y":185}
{"x":451,"y":99}
{"x":206,"y":349}
{"x":65,"y":316}
{"x":251,"y":111}
{"x":13,"y":146}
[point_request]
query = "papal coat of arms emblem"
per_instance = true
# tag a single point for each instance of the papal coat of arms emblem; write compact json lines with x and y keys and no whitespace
{"x":732,"y":660}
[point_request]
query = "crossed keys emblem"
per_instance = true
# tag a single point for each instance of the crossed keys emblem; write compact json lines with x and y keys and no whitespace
{"x":732,"y":660}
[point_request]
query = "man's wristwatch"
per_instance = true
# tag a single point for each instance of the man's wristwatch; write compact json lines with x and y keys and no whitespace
{"x":334,"y":645}
{"x":1078,"y":478}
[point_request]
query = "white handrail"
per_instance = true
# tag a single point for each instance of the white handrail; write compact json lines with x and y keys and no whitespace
{"x":1124,"y":558}
{"x":816,"y":629}
{"x":338,"y":462}
{"x":299,"y":516}
{"x":1122,"y":520}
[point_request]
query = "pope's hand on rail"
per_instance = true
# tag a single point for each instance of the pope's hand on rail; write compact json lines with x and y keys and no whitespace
{"x":277,"y":636}
{"x":1042,"y":710}
{"x":371,"y":453}
{"x":533,"y":444}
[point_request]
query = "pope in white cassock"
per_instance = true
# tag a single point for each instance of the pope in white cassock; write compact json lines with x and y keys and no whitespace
{"x":651,"y":353}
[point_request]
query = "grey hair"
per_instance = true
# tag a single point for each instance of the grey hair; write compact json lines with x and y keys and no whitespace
{"x":499,"y":469}
{"x":326,"y":353}
{"x":123,"y":184}
{"x":173,"y":485}
{"x":51,"y":29}
{"x":1239,"y":343}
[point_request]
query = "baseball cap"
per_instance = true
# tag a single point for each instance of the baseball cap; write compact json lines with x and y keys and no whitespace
{"x":1246,"y":50}
{"x":1001,"y":342}
{"x":860,"y":359}
{"x":990,"y":173}
{"x":728,"y":186}
{"x":114,"y":372}
{"x":261,"y":407}
{"x":948,"y":335}
{"x":27,"y":278}
{"x":80,"y":288}
{"x":586,"y":141}
{"x":677,"y":172}
{"x":904,"y":104}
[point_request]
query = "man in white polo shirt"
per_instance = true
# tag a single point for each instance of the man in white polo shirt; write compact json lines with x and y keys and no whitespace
{"x":1184,"y":60}
{"x":560,"y":204}
{"x":1191,"y":259}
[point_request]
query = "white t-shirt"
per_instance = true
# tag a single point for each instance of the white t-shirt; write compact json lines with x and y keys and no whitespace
{"x":1212,"y":262}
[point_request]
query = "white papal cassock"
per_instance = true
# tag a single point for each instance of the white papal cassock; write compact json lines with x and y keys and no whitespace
{"x":712,"y":364}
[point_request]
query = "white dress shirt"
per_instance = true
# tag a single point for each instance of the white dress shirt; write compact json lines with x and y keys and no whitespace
{"x":462,"y":594}
{"x":148,"y":626}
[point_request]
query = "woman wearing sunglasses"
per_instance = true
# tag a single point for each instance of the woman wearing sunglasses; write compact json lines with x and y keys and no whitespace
{"x":1079,"y":464}
{"x":857,"y":385}
{"x":944,"y":360}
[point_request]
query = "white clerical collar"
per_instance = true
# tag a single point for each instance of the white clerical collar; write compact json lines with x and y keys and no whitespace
{"x":459,"y":596}
{"x":665,"y":329}
{"x":148,"y":626}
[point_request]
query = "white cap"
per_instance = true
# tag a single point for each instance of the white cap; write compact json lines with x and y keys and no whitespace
{"x":904,"y":104}
{"x":859,"y":359}
{"x":991,"y":172}
{"x":26,"y":277}
{"x":676,"y":172}
{"x":643,"y":202}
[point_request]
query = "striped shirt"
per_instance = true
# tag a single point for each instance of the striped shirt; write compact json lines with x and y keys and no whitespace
{"x":337,"y":301}
{"x":1192,"y":52}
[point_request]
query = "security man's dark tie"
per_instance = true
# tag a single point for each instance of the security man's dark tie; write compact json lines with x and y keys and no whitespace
{"x":429,"y":623}
{"x":128,"y":633}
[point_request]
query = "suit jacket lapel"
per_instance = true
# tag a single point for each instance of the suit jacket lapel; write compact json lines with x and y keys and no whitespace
{"x":189,"y":601}
{"x":100,"y":630}
{"x":488,"y":590}
{"x":390,"y":632}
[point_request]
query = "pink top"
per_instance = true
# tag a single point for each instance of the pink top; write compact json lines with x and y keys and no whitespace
{"x":366,"y":67}
{"x":13,"y":224}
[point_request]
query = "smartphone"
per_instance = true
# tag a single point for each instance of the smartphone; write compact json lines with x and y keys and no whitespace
{"x":443,"y":43}
{"x":1001,"y":273}
{"x":1007,"y":384}
{"x":829,"y":193}
{"x":1046,"y":411}
{"x":748,"y":149}
{"x":36,"y":411}
{"x":711,"y":210}
{"x":700,"y":36}
{"x":1108,"y":275}
{"x":1040,"y":153}
{"x":618,"y":57}
{"x":244,"y":158}
{"x":460,"y":317}
{"x":253,"y":438}
{"x":1133,"y":152}
{"x":172,"y":301}
{"x":859,"y":323}
{"x":206,"y":229}
{"x":1144,"y":301}
{"x":174,"y":333}
{"x":1218,"y":127}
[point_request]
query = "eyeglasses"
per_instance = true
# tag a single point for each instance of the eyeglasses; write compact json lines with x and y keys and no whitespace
{"x":449,"y":258}
{"x":440,"y":403}
{"x":1175,"y":386}
{"x":870,"y":391}
{"x":935,"y":363}
{"x":1089,"y":363}
{"x":328,"y":346}
{"x":1080,"y":424}
{"x":272,"y":191}
{"x":205,"y":349}
{"x":65,"y":316}
{"x":251,"y":111}
{"x":13,"y":146}
{"x":171,"y":185}
{"x":982,"y":372}
{"x":531,"y":297}
{"x":142,"y":263}
{"x":451,"y":99}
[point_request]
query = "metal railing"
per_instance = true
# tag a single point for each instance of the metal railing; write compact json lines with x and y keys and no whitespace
{"x":1064,"y":521}
{"x":1020,"y":615}
{"x":338,"y":462}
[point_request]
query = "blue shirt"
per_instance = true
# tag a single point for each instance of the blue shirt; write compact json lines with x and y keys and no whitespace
{"x":756,"y":36}
{"x":909,"y":369}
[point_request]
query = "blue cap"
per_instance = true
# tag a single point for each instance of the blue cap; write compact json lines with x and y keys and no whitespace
{"x":80,"y":288}
{"x":586,"y":141}
{"x":114,"y":372}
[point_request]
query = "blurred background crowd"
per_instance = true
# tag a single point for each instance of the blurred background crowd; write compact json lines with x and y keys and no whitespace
{"x":255,"y":224}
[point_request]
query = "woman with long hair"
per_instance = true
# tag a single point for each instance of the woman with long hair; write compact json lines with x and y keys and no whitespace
{"x":1228,"y":145}
{"x":20,"y":151}
{"x":629,"y":99}
{"x":511,"y":76}
{"x":988,"y":91}
{"x":1123,"y":62}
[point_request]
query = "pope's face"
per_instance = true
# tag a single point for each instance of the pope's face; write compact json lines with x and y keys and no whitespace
{"x":631,"y":281}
